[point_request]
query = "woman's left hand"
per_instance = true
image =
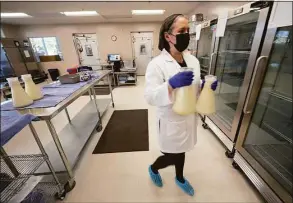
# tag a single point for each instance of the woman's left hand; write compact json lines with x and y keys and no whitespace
{"x":213,"y":85}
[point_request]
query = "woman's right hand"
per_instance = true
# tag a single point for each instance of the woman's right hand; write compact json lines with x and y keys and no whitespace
{"x":181,"y":79}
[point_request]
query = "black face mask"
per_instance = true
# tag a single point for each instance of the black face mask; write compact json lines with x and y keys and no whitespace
{"x":182,"y":41}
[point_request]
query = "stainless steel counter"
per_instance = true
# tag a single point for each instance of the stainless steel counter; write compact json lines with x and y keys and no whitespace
{"x":51,"y":112}
{"x":65,"y":149}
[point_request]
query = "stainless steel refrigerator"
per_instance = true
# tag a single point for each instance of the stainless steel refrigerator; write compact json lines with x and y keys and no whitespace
{"x":6,"y":69}
{"x":21,"y":57}
{"x":264,"y":144}
{"x":233,"y":61}
{"x":205,"y":45}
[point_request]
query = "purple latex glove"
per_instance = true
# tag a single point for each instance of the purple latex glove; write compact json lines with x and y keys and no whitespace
{"x":181,"y":79}
{"x":213,"y":85}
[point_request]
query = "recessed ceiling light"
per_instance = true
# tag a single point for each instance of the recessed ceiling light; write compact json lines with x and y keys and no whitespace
{"x":147,"y":12}
{"x":14,"y":15}
{"x":80,"y":13}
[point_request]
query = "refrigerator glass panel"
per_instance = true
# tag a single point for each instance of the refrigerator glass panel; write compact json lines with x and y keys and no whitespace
{"x":6,"y":69}
{"x":192,"y":44}
{"x":269,"y":136}
{"x":231,"y":64}
{"x":204,"y":50}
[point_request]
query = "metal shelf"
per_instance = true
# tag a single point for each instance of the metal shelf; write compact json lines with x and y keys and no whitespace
{"x":25,"y":165}
{"x":280,"y":96}
{"x":274,"y":157}
{"x":235,"y":52}
{"x":14,"y":186}
{"x":204,"y":66}
{"x":204,"y":57}
{"x":277,"y":132}
{"x":204,"y":70}
{"x":48,"y":187}
{"x":74,"y":136}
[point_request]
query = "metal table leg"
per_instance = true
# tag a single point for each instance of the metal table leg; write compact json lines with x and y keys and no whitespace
{"x":95,"y":101}
{"x":8,"y":162}
{"x":100,"y":127}
{"x":71,"y":181}
{"x":46,"y":157}
{"x":110,"y":87}
{"x":67,"y":114}
{"x":90,"y":94}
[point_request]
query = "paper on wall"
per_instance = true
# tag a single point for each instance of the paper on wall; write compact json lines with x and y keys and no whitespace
{"x":198,"y":30}
{"x":27,"y":54}
{"x":222,"y":21}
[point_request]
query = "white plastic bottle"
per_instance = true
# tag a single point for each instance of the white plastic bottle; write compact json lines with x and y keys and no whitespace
{"x":19,"y":96}
{"x":33,"y":91}
{"x":185,"y":98}
{"x":206,"y":101}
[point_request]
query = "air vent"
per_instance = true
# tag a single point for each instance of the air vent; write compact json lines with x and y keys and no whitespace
{"x":116,"y":17}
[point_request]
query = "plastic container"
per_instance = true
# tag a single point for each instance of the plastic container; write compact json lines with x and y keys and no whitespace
{"x":32,"y":90}
{"x":19,"y":96}
{"x":185,"y":98}
{"x":69,"y":79}
{"x":206,"y":101}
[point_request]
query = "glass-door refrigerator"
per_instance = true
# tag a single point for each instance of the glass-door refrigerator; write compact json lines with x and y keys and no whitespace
{"x":205,"y":45}
{"x":264,"y":144}
{"x":192,"y":33}
{"x":233,"y":63}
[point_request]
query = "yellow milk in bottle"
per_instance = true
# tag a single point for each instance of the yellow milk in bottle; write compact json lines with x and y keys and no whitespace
{"x":185,"y":98}
{"x":19,"y":96}
{"x":33,"y":91}
{"x":206,"y":101}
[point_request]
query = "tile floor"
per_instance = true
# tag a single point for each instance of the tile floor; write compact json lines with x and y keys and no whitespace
{"x":123,"y":177}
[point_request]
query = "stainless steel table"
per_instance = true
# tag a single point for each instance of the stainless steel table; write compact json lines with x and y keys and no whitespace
{"x":125,"y":71}
{"x":74,"y":135}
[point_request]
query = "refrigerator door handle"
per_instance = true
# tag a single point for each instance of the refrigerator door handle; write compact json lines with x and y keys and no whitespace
{"x":211,"y":62}
{"x":255,"y":85}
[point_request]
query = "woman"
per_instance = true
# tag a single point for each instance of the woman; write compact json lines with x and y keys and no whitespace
{"x":177,"y":134}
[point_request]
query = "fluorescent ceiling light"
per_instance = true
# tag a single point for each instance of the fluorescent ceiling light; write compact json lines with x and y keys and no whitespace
{"x":147,"y":12}
{"x":14,"y":15}
{"x":80,"y":13}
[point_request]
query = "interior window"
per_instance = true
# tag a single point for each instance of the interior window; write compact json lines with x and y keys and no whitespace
{"x":46,"y":48}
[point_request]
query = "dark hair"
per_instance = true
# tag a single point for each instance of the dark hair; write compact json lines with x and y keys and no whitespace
{"x":166,"y":27}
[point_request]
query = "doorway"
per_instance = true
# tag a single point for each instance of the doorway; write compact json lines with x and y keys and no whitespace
{"x":142,"y":50}
{"x":86,"y":46}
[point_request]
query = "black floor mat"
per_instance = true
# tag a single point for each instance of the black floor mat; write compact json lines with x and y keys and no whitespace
{"x":127,"y":131}
{"x":101,"y":91}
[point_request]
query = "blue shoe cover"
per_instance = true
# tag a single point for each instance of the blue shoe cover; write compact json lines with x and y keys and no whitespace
{"x":156,"y":178}
{"x":186,"y":187}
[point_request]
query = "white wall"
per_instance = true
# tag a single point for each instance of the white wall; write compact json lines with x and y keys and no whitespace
{"x":104,"y":32}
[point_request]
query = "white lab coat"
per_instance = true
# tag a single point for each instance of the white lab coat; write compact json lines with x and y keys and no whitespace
{"x":177,"y":133}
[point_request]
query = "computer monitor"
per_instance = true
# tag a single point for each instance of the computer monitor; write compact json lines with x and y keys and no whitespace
{"x":113,"y":57}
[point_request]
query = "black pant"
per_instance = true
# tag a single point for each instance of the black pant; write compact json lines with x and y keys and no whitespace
{"x":171,"y":159}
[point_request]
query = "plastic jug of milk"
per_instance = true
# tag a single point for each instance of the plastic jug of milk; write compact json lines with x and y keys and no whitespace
{"x":33,"y":91}
{"x":19,"y":96}
{"x":185,"y":98}
{"x":206,"y":101}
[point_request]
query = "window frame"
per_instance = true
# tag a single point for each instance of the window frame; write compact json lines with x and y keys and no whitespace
{"x":44,"y":45}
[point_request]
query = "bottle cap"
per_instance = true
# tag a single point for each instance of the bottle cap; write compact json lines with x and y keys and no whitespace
{"x":210,"y":78}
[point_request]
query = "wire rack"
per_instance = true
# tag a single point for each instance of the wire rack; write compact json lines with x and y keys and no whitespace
{"x":24,"y":165}
{"x":49,"y":188}
{"x":12,"y":187}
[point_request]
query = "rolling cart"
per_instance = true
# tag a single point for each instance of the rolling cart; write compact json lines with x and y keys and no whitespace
{"x":17,"y":170}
